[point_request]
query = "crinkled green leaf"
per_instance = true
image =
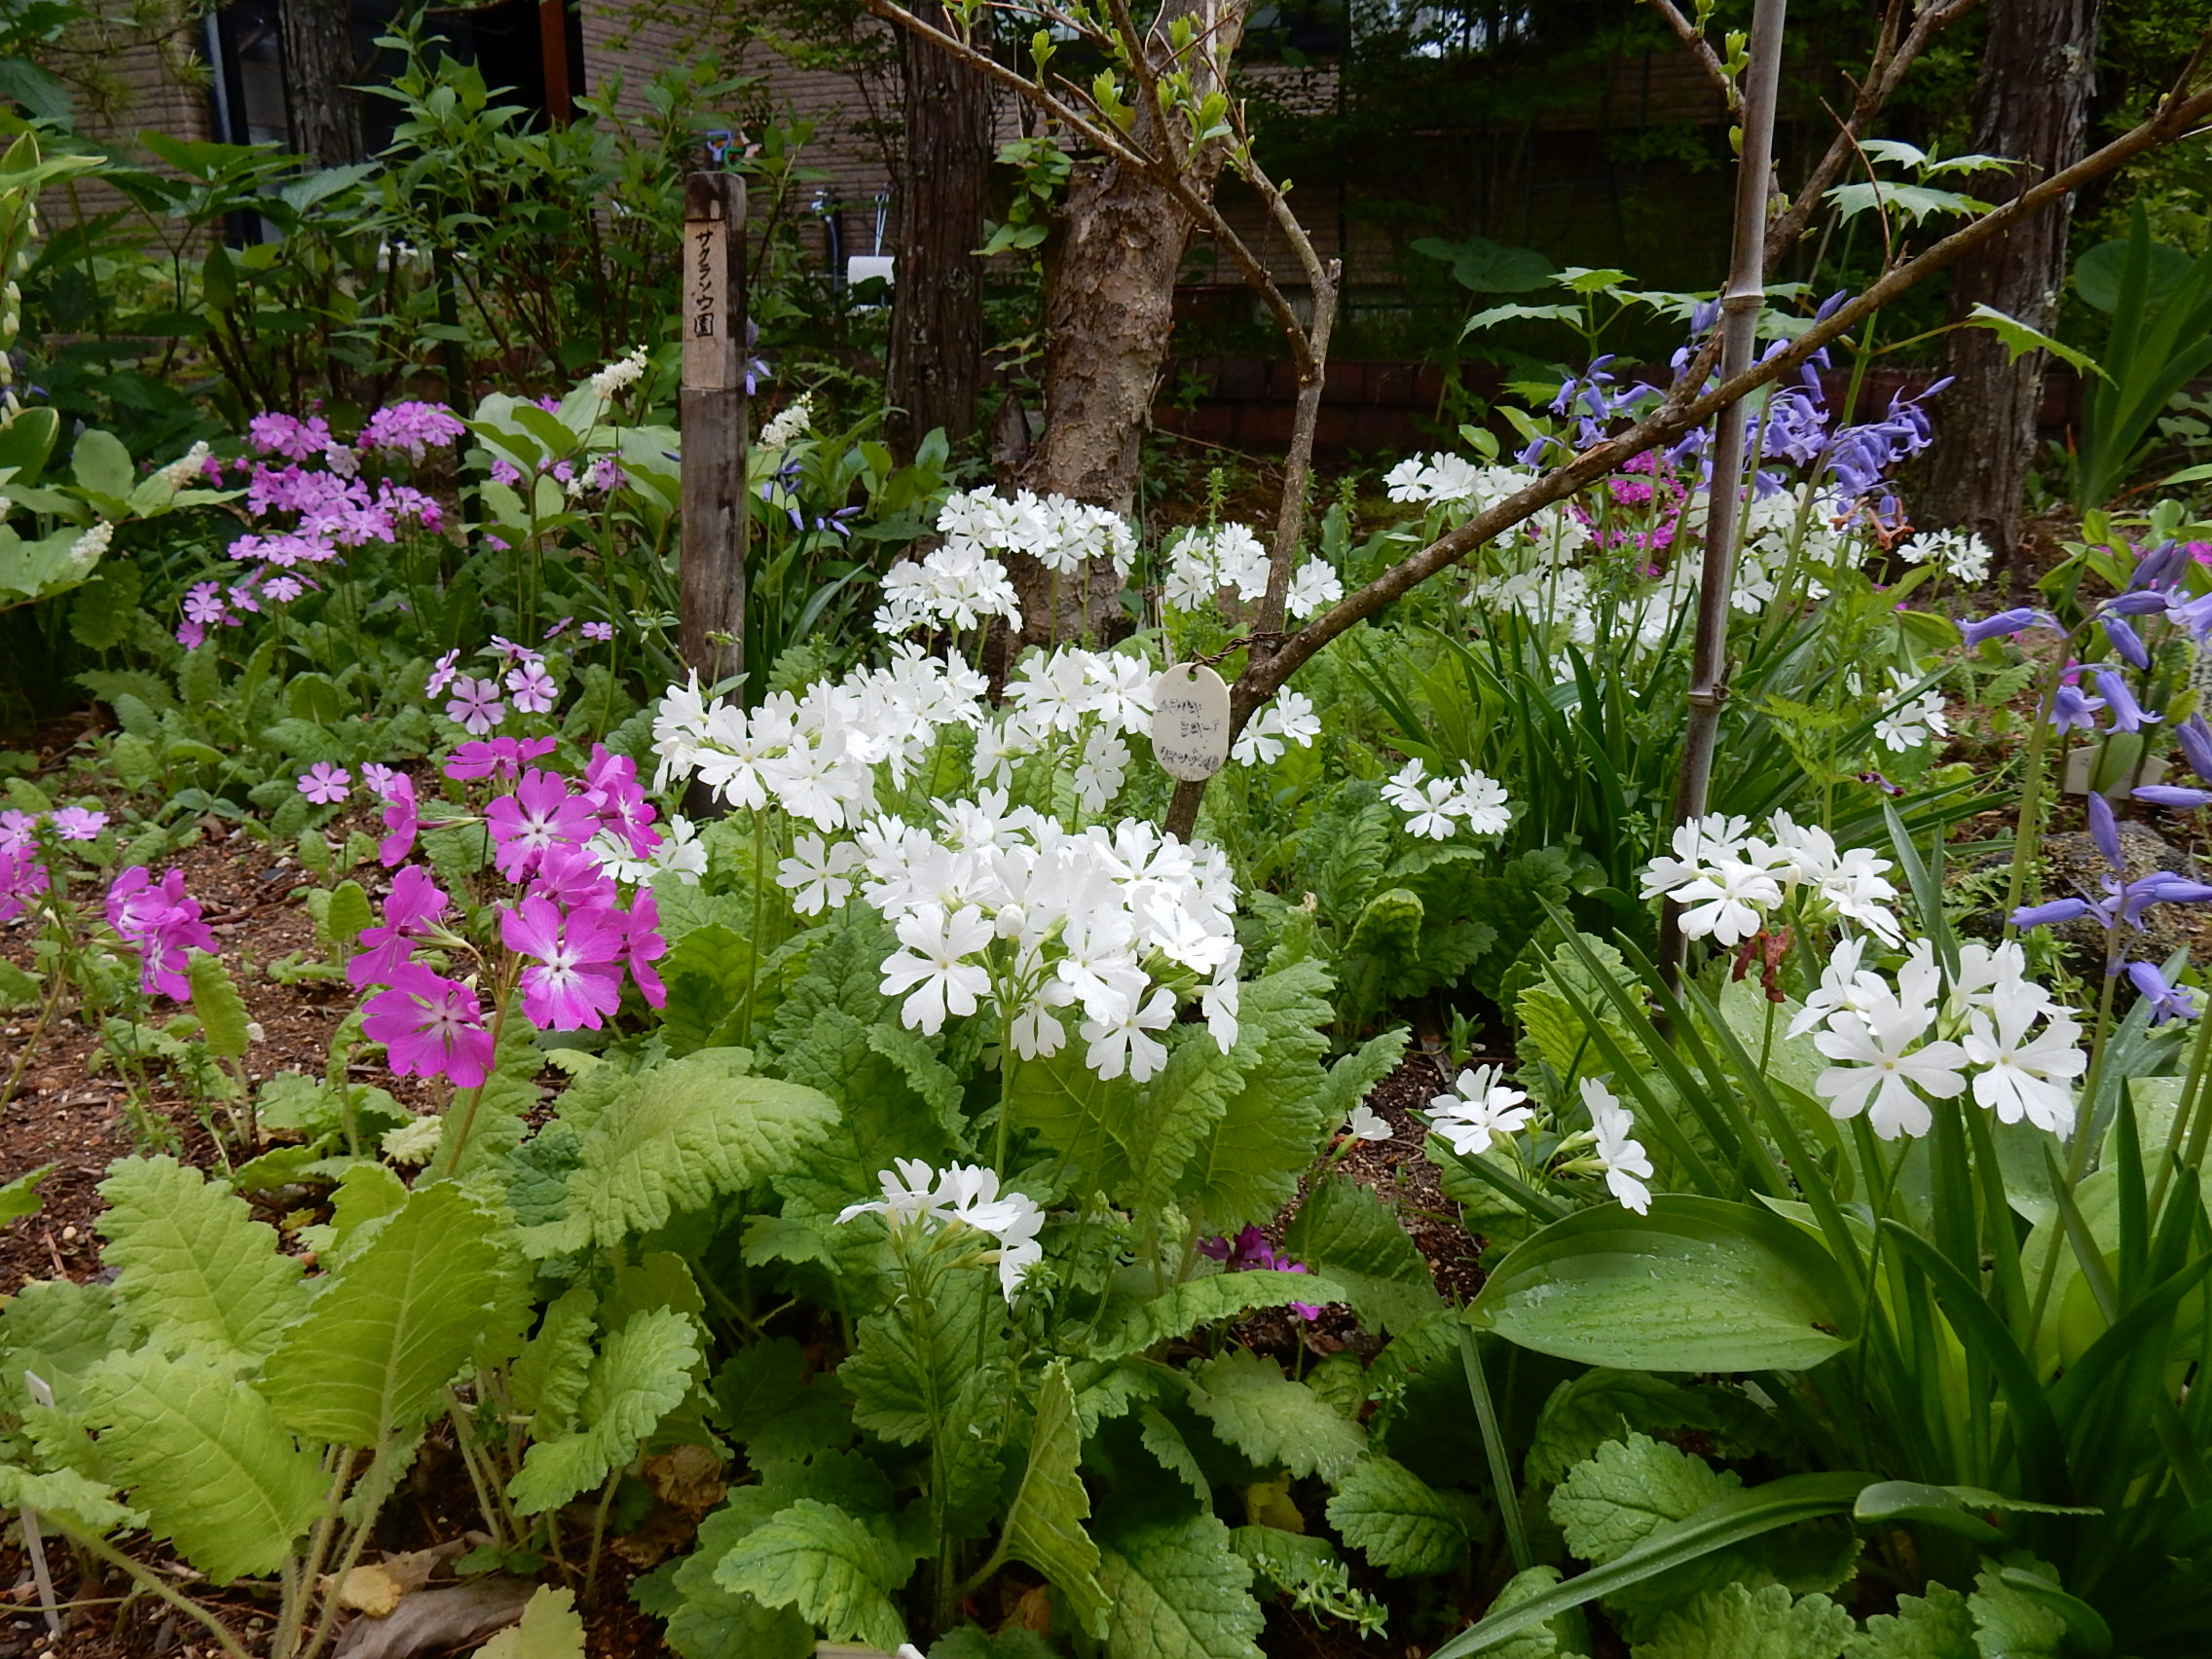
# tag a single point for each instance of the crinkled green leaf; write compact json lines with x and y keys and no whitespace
{"x":1936,"y":1625}
{"x":548,"y":1377}
{"x":1204,"y":1301}
{"x":196,"y":1270}
{"x":709,"y":1622}
{"x":641,"y":1374}
{"x":1246,"y":1167}
{"x":216,"y":1001}
{"x":1738,"y":1623}
{"x":771,"y":1406}
{"x":395,"y":1324}
{"x":498,"y":1116}
{"x":2012,"y":1622}
{"x":1165,"y":1442}
{"x":550,"y":1628}
{"x":1560,"y":1637}
{"x":1397,"y":1520}
{"x":20,"y":1197}
{"x":1585,"y":1411}
{"x":707,"y":972}
{"x":1274,"y":1422}
{"x":839,"y":1573}
{"x":1010,"y":1641}
{"x":1044,"y":1523}
{"x":683,"y":1134}
{"x":1179,"y":1591}
{"x":67,"y":1496}
{"x":1629,"y":1491}
{"x":206,"y":1458}
{"x":1344,"y":1232}
{"x":1551,"y":1028}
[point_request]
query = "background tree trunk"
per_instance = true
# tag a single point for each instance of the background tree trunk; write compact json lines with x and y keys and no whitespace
{"x":2031,"y":104}
{"x":319,"y":71}
{"x":936,"y":304}
{"x":1110,"y":268}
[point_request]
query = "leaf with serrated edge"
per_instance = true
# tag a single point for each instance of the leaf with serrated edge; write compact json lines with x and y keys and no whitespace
{"x":1345,"y":1230}
{"x":549,"y":1374}
{"x":836,"y":1570}
{"x":67,"y":1496}
{"x":1204,"y":1301}
{"x":1179,"y":1591}
{"x":1629,"y":1491}
{"x":683,"y":1134}
{"x":206,"y":1460}
{"x":223,"y":1021}
{"x":393,"y":1324}
{"x":550,"y":1628}
{"x":1938,"y":1625}
{"x":1165,"y":1442}
{"x":195,"y":1270}
{"x":1274,"y":1422}
{"x":1397,"y":1520}
{"x":1045,"y":1525}
{"x":640,"y":1377}
{"x":1737,"y":1622}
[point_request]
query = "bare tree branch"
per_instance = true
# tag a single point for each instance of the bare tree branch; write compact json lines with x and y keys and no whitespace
{"x":1701,"y":48}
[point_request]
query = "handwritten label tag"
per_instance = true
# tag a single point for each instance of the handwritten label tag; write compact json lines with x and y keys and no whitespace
{"x":1190,"y":723}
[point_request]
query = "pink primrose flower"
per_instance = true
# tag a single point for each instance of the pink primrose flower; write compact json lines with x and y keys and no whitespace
{"x":578,"y":978}
{"x":326,"y":784}
{"x":400,"y":817}
{"x":430,"y":1026}
{"x":475,"y":706}
{"x":412,"y":911}
{"x":540,"y":814}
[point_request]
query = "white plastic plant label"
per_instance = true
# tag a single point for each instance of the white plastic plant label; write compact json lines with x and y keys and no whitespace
{"x":1189,"y":722}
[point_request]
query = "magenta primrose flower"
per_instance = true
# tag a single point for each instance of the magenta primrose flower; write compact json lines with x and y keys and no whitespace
{"x":540,"y":814}
{"x":430,"y":1026}
{"x":571,"y":877}
{"x":411,"y":912}
{"x":504,"y":757}
{"x":161,"y":921}
{"x":610,"y":785}
{"x":326,"y":784}
{"x":78,"y":822}
{"x":400,"y":818}
{"x":475,"y":704}
{"x":532,"y":688}
{"x":22,"y":876}
{"x":411,"y":426}
{"x":578,"y":977}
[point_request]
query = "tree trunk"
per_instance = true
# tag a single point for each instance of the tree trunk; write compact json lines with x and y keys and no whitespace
{"x":2031,"y":104}
{"x":936,"y":300}
{"x":320,"y":67}
{"x":1110,"y":268}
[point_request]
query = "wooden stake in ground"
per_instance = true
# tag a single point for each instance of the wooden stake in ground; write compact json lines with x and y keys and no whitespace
{"x":711,"y":411}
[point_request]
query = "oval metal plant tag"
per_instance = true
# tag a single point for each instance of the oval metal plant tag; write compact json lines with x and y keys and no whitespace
{"x":1189,"y":722}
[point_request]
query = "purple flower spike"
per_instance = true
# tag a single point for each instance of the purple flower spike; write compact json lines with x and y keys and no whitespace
{"x":2167,"y":1001}
{"x":2050,"y":914}
{"x":2006,"y":622}
{"x":2104,"y":830}
{"x":2196,"y":740}
{"x":2075,"y":711}
{"x":2126,"y":641}
{"x":2174,"y":798}
{"x":2158,"y":565}
{"x":2128,"y":715}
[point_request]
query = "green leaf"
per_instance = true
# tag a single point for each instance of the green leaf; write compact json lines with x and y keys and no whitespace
{"x":2023,"y":1614}
{"x":1164,"y":1441}
{"x":1012,"y":1641}
{"x":395,"y":1324}
{"x":682,"y":1134}
{"x":1044,"y":1523}
{"x":771,"y":1407}
{"x":67,"y":1496}
{"x":1563,"y":1634}
{"x":1631,"y":1489}
{"x":550,"y":1628}
{"x":207,"y":1458}
{"x":1398,"y":1520}
{"x":1344,"y":1232}
{"x":2019,"y":340}
{"x":548,"y":1376}
{"x":1938,"y":1625}
{"x":707,"y":973}
{"x":713,"y":1623}
{"x":196,"y":1270}
{"x":1914,"y":201}
{"x":1204,"y":1301}
{"x":837,"y":1571}
{"x":1552,"y":1026}
{"x":1699,"y":1284}
{"x":20,"y":1197}
{"x":1585,"y":1411}
{"x":347,"y":916}
{"x":101,"y":466}
{"x":1179,"y":1591}
{"x":1274,"y":1422}
{"x":641,"y":1375}
{"x":221,"y":1009}
{"x":1740,"y":1623}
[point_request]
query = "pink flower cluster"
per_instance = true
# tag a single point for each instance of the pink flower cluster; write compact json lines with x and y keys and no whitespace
{"x":23,"y":874}
{"x":161,"y":921}
{"x":476,"y":705}
{"x":413,"y":429}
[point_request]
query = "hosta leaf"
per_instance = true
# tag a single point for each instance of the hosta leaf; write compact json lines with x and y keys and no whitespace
{"x":1397,"y":1520}
{"x":1346,"y":1232}
{"x":1045,"y":1525}
{"x":1629,"y":1491}
{"x":1736,"y":1622}
{"x":680,"y":1135}
{"x":1274,"y":1422}
{"x":550,"y":1628}
{"x":641,"y":1375}
{"x":206,"y":1458}
{"x":837,"y":1571}
{"x":1202,"y":1300}
{"x":1179,"y":1591}
{"x":195,"y":1268}
{"x":394,"y":1323}
{"x":65,"y":1496}
{"x":548,"y":1376}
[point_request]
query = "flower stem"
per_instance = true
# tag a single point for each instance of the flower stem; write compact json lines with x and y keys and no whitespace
{"x":2028,"y":831}
{"x":1494,"y":1450}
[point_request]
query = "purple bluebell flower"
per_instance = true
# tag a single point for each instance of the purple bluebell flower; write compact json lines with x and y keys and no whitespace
{"x":2128,"y":715}
{"x":2194,"y":614}
{"x":2135,"y":603}
{"x":2104,"y":830}
{"x":2051,"y":914}
{"x":2196,"y":740}
{"x":2018,"y":620}
{"x":1829,"y":306}
{"x":2157,"y":567}
{"x":2074,"y":709}
{"x":2173,"y":798}
{"x":2126,"y":641}
{"x":2160,"y":887}
{"x":2167,"y":1001}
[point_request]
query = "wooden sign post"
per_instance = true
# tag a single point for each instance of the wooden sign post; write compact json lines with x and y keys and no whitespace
{"x":711,"y":411}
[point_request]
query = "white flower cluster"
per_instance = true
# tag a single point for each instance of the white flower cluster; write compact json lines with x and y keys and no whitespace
{"x":622,"y":372}
{"x":1452,"y":479}
{"x":681,"y":853}
{"x":815,"y":756}
{"x":961,"y":583}
{"x":1006,"y":907}
{"x":1482,"y":1112}
{"x":915,"y":1193}
{"x":1291,"y":718}
{"x":188,"y":469}
{"x":1200,"y":563}
{"x":1728,"y":880}
{"x":791,"y":423}
{"x":1910,"y":721}
{"x":1897,"y":1044}
{"x":1963,"y":554}
{"x":956,"y":583}
{"x":1434,"y":807}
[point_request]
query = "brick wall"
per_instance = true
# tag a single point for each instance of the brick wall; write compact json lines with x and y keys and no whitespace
{"x":126,"y":81}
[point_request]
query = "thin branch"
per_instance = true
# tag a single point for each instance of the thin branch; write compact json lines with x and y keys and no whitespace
{"x":1701,"y":48}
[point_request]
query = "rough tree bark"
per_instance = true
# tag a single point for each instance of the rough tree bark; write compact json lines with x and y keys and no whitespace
{"x":937,"y":306}
{"x":2031,"y":104}
{"x":320,"y":72}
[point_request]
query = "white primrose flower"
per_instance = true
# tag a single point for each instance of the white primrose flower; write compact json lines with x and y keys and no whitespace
{"x":1849,"y":883}
{"x":1128,"y":1042}
{"x":1313,"y":587}
{"x":916,"y":1194}
{"x":934,"y":966}
{"x":1619,"y":1154}
{"x":1480,"y":1111}
{"x":1885,"y":1068}
{"x":1909,"y":723}
{"x":1289,"y":720}
{"x":1961,"y":553}
{"x":818,"y":877}
{"x":2026,"y":1073}
{"x":1364,"y":1124}
{"x":956,"y":583}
